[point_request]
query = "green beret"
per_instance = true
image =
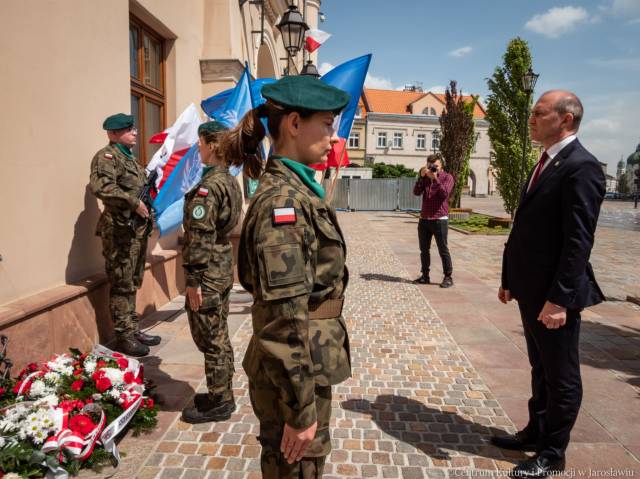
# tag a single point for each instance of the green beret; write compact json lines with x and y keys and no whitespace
{"x":211,"y":127}
{"x":307,"y":93}
{"x":118,"y":121}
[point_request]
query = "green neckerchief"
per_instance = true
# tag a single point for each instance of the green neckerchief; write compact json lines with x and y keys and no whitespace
{"x":306,"y":175}
{"x":125,"y":150}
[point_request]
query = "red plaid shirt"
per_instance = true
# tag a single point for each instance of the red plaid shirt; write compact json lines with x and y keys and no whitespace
{"x":435,"y":195}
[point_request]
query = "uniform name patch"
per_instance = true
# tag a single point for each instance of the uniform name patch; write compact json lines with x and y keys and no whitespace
{"x":284,"y":216}
{"x":198,"y":212}
{"x":203,"y":191}
{"x":108,"y":155}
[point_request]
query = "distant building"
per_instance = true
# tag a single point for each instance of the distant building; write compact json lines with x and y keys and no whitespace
{"x":402,"y":127}
{"x":612,"y":184}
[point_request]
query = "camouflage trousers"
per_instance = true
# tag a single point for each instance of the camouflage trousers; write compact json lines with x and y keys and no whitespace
{"x":211,"y":334}
{"x":265,"y":399}
{"x":124,"y":256}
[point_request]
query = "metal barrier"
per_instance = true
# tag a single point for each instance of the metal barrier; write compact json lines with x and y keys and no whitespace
{"x":375,"y":194}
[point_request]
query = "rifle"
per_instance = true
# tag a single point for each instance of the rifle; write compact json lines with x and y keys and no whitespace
{"x":136,"y":221}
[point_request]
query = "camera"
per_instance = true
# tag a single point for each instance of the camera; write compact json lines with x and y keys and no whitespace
{"x":433,"y":168}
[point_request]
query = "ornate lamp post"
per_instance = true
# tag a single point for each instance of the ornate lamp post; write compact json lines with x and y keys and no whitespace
{"x":310,"y":69}
{"x":528,"y":85}
{"x":292,"y":28}
{"x":435,"y":141}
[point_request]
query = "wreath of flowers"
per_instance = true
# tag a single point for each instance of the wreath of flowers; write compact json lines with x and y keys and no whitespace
{"x":64,"y":414}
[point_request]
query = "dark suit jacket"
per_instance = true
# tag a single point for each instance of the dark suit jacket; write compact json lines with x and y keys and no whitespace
{"x":547,"y":254}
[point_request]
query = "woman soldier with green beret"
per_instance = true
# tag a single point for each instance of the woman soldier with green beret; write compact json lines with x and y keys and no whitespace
{"x":211,"y":210}
{"x":292,"y":260}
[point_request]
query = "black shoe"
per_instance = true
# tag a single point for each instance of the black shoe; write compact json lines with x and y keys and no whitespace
{"x":447,"y":282}
{"x":538,"y":467}
{"x":131,"y":347}
{"x":422,"y":280}
{"x":519,"y":441}
{"x":147,"y":339}
{"x":207,"y":410}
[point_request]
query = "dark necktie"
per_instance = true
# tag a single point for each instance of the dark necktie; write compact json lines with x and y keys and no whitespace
{"x":539,"y":167}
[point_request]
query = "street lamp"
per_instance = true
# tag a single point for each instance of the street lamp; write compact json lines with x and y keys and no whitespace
{"x":310,"y":70}
{"x":529,"y":80}
{"x":292,"y":28}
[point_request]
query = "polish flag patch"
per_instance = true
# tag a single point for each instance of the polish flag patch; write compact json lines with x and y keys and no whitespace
{"x":203,"y":191}
{"x":284,"y":216}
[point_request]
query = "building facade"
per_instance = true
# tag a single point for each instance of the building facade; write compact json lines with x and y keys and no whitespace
{"x":402,"y":127}
{"x":67,"y":64}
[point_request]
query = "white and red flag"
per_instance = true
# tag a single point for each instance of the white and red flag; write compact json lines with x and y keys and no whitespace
{"x":314,"y":38}
{"x":176,"y":141}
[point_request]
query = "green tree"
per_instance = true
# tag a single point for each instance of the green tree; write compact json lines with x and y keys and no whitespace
{"x":457,"y":139}
{"x":382,"y":170}
{"x":506,"y":104}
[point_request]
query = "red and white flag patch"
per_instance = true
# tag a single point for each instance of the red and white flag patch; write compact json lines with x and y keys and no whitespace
{"x":203,"y":191}
{"x":284,"y":216}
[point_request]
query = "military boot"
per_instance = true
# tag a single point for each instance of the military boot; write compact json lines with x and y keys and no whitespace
{"x":130,"y":346}
{"x":147,"y":339}
{"x":207,"y":409}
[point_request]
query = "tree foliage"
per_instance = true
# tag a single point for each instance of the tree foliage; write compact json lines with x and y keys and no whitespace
{"x":382,"y":170}
{"x":623,"y":184}
{"x":506,"y":107}
{"x":457,"y":139}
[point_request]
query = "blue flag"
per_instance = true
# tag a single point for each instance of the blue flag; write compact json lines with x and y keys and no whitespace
{"x":170,"y":200}
{"x":349,"y":77}
{"x":214,"y":106}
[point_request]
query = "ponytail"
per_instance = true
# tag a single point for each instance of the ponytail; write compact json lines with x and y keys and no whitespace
{"x":241,"y":145}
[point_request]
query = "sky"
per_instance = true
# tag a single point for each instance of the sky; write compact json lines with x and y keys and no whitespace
{"x":590,"y":47}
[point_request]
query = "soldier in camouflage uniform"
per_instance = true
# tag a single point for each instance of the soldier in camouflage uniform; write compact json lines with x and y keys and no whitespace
{"x":212,"y":209}
{"x":117,"y":179}
{"x":292,"y":260}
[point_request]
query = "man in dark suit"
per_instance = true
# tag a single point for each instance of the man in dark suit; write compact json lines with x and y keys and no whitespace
{"x":546,"y":269}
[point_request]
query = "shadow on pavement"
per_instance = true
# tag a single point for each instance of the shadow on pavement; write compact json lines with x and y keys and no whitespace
{"x":430,"y":430}
{"x":384,"y":277}
{"x":170,"y":394}
{"x":605,"y":346}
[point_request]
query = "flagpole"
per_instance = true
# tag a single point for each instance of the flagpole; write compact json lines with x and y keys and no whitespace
{"x":332,"y":186}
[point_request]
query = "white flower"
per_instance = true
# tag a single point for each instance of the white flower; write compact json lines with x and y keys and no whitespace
{"x":114,"y":393}
{"x":96,"y":396}
{"x":49,"y":400}
{"x":90,"y":366}
{"x":116,"y":376}
{"x":40,"y":388}
{"x":53,"y":377}
{"x":12,"y":475}
{"x":2,"y":443}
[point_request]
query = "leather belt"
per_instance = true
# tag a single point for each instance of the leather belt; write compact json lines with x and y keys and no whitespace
{"x":328,"y":309}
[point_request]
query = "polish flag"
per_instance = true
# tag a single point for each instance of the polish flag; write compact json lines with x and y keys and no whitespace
{"x":314,"y":38}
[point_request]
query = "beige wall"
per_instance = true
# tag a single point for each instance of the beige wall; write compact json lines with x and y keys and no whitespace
{"x":65,"y":67}
{"x":55,"y":92}
{"x":428,"y":101}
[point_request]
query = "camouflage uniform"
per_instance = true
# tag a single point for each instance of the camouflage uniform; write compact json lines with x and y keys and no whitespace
{"x":211,"y":211}
{"x":295,"y":354}
{"x":117,"y":180}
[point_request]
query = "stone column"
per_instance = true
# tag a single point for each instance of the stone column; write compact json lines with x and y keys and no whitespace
{"x":312,"y":9}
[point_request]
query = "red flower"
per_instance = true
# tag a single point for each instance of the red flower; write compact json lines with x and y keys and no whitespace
{"x":103,"y":384}
{"x":118,"y":355}
{"x":97,"y":375}
{"x":101,"y":363}
{"x":129,"y":377}
{"x":78,"y":372}
{"x":123,"y":363}
{"x":77,"y":385}
{"x":2,"y":391}
{"x":26,"y":389}
{"x":32,"y":367}
{"x":68,"y":406}
{"x":81,"y":423}
{"x":149,"y":403}
{"x":89,"y":401}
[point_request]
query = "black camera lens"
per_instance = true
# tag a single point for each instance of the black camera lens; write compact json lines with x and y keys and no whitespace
{"x":433,"y":169}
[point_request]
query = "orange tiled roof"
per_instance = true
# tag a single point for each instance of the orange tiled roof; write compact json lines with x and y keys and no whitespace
{"x":398,"y":102}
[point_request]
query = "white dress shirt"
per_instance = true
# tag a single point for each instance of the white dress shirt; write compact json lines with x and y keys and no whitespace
{"x":551,"y":153}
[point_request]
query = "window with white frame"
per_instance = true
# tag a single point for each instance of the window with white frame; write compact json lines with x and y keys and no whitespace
{"x":382,"y":139}
{"x":354,"y":139}
{"x":397,"y":139}
{"x":421,"y":141}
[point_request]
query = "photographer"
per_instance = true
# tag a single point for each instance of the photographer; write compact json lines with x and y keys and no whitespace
{"x":435,"y":186}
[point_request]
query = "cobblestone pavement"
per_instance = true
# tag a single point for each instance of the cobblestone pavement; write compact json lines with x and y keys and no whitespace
{"x":435,"y":372}
{"x":415,"y":406}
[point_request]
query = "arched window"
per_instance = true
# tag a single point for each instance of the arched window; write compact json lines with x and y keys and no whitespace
{"x":433,"y":111}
